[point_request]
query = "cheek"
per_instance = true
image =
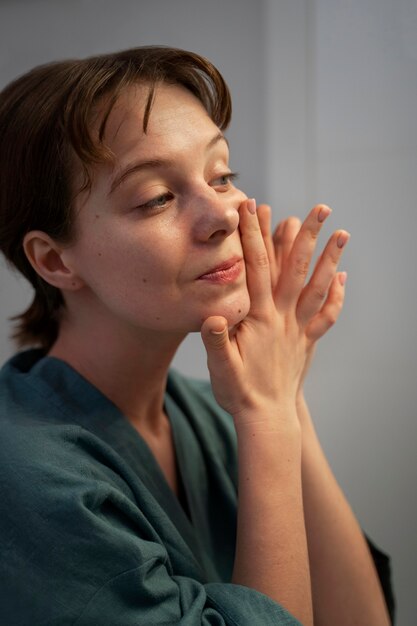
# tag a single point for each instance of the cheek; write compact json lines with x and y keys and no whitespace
{"x":128,"y":268}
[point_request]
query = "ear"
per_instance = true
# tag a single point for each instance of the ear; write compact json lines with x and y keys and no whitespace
{"x":46,"y":257}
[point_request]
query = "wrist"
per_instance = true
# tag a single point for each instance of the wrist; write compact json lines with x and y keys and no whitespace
{"x":269,"y":457}
{"x":304,"y":416}
{"x":279,"y":418}
{"x":300,"y":394}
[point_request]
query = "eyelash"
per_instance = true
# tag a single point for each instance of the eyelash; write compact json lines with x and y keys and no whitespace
{"x":166,"y":197}
{"x":231,"y":177}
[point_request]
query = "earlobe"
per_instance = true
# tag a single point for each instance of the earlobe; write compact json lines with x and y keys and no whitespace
{"x":46,"y":257}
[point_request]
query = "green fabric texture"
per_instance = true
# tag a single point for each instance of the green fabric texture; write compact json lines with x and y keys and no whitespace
{"x":91,"y":533}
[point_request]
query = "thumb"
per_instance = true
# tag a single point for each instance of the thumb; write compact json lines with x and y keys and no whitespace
{"x":215,"y":335}
{"x":220,"y":362}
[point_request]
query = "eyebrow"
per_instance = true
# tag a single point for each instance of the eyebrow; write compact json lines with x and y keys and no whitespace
{"x":150,"y":164}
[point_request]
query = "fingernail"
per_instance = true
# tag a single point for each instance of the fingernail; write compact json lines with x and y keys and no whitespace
{"x":323,"y":213}
{"x":342,"y":278}
{"x":252,"y":206}
{"x":217,"y":332}
{"x":342,"y":239}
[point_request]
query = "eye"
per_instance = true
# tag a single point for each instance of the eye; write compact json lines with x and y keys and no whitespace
{"x":159,"y":202}
{"x":225,"y":181}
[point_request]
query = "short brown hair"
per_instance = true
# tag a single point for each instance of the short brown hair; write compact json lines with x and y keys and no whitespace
{"x":45,"y":118}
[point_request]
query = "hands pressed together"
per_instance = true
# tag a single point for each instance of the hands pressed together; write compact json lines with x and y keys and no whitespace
{"x":298,"y":540}
{"x":264,"y":361}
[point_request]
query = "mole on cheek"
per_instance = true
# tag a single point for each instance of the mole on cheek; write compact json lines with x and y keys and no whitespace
{"x":97,"y":216}
{"x":144,"y":280}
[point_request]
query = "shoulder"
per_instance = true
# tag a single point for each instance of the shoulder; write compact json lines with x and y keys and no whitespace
{"x":42,"y":444}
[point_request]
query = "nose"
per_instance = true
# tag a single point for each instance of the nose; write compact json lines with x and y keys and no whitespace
{"x":216,"y":214}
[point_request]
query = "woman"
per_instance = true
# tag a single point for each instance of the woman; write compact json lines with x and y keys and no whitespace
{"x":120,"y":476}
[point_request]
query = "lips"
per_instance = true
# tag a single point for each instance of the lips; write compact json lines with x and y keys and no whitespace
{"x":221,"y":267}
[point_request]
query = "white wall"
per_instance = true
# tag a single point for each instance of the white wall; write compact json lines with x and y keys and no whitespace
{"x":325,"y":95}
{"x":342,"y":129}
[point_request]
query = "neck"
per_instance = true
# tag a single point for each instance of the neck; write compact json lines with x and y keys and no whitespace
{"x":129,"y":367}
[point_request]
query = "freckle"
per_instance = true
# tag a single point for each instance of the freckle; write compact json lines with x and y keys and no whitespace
{"x":99,"y":254}
{"x":97,"y":216}
{"x":240,"y":311}
{"x":73,"y":284}
{"x":158,"y":318}
{"x":144,"y":280}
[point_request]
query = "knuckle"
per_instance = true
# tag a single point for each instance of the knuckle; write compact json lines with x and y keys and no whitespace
{"x":333,"y":259}
{"x":263,"y":317}
{"x":312,"y":233}
{"x":261,"y":259}
{"x":301,"y":266}
{"x":331,"y":317}
{"x":270,"y":314}
{"x":218,"y":343}
{"x":318,"y":293}
{"x":308,"y":235}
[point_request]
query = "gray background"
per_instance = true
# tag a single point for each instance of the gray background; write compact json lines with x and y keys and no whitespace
{"x":325,"y":102}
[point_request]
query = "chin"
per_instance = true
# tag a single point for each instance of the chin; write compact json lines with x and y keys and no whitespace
{"x":235,"y":317}
{"x":234,"y":311}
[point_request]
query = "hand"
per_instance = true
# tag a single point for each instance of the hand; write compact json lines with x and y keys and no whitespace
{"x":323,"y":296}
{"x":260,"y":366}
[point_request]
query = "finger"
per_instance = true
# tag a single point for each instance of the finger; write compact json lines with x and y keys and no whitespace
{"x":215,"y":336}
{"x":284,"y":238}
{"x":220,"y":362}
{"x":256,"y":258}
{"x":292,"y":279}
{"x":264,"y":217}
{"x":315,"y":292}
{"x":331,"y":309}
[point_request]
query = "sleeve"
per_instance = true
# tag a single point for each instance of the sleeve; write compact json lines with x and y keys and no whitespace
{"x":122,"y":601}
{"x":77,"y":549}
{"x":382,"y":564}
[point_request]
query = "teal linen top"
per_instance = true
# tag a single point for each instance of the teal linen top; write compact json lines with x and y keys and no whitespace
{"x":91,"y":533}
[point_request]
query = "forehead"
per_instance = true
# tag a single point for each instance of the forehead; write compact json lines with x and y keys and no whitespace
{"x":177,"y":120}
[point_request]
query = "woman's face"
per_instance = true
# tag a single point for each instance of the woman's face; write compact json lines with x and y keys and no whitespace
{"x":161,"y":218}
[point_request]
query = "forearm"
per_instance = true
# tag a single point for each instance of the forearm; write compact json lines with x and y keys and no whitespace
{"x":271,"y":549}
{"x":345,"y":584}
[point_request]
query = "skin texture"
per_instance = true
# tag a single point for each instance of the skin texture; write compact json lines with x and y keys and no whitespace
{"x":338,"y":554}
{"x":141,"y":264}
{"x":131,"y":284}
{"x":129,"y":278}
